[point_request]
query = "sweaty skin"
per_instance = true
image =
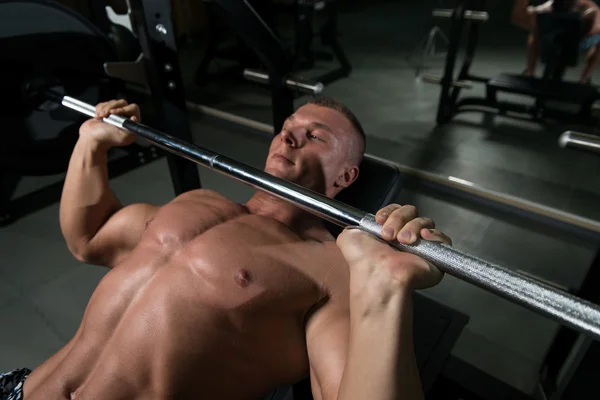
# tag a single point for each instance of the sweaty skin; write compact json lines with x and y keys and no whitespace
{"x":207,"y":298}
{"x":210,"y":304}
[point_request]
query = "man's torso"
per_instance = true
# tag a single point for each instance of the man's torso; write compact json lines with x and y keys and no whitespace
{"x":211,"y":302}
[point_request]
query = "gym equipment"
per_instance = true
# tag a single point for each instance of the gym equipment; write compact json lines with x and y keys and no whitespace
{"x":427,"y":45}
{"x":564,"y":367}
{"x":304,"y":56}
{"x":153,"y":26}
{"x":258,"y":36}
{"x":559,"y":35}
{"x":304,"y":86}
{"x":439,"y":80}
{"x":580,"y":141}
{"x":427,"y":48}
{"x":469,"y":14}
{"x":301,"y":56}
{"x":45,"y":44}
{"x":560,"y":306}
{"x":42,"y":40}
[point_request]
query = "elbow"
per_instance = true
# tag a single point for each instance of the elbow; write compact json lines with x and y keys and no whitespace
{"x":80,"y":250}
{"x":85,"y":254}
{"x":80,"y":255}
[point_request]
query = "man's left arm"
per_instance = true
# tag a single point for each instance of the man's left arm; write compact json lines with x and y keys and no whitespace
{"x":366,"y":353}
{"x":327,"y":339}
{"x":360,"y":343}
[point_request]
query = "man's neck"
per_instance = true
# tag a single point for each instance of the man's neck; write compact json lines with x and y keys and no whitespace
{"x":296,"y":219}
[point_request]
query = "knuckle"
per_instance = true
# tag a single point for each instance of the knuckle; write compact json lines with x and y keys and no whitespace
{"x":428,"y":221}
{"x":388,"y":209}
{"x":411,"y":209}
{"x":397,"y":218}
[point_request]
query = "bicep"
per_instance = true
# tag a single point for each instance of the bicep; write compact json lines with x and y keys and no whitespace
{"x":327,"y":335}
{"x":119,"y":234}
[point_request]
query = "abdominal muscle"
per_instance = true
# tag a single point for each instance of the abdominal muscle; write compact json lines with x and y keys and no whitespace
{"x":177,"y":336}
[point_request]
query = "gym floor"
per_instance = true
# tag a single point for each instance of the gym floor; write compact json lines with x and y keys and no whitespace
{"x":44,"y":290}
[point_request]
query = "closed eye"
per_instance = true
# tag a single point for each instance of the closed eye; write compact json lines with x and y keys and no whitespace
{"x":312,"y":136}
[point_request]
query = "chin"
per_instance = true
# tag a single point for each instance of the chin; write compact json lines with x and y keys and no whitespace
{"x":278,"y":171}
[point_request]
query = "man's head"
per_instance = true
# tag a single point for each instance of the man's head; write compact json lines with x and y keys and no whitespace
{"x":320,"y":147}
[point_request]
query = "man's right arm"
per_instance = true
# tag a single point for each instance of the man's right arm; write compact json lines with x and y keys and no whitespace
{"x":96,"y":227}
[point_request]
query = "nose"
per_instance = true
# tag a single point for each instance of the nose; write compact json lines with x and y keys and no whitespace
{"x":289,"y":138}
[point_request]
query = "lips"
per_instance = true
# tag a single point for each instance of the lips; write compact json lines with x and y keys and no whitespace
{"x":284,"y":157}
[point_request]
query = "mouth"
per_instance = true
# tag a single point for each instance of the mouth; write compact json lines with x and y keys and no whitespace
{"x":282,"y":157}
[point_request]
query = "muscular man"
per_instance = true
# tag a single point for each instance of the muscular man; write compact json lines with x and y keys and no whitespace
{"x":210,"y":299}
{"x":524,"y":16}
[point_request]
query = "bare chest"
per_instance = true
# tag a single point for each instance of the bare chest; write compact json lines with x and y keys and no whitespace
{"x":237,"y":286}
{"x":233,"y":260}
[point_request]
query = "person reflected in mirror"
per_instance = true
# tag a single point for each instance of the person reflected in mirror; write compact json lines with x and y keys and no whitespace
{"x":524,"y":15}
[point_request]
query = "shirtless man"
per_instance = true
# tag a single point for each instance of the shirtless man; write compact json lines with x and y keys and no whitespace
{"x":210,"y":299}
{"x":523,"y":15}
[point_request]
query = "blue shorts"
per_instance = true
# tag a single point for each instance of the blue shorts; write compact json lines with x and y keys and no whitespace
{"x":588,"y":42}
{"x":11,"y":384}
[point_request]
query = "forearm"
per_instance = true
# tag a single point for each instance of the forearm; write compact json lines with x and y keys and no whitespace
{"x":381,"y":362}
{"x":87,"y":200}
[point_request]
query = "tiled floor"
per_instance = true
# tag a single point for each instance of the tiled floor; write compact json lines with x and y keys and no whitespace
{"x":44,"y":290}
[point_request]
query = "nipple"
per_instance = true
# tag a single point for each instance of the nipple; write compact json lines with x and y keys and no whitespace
{"x":242,"y":277}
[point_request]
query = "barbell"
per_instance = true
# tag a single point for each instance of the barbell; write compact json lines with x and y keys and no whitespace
{"x":580,"y":141}
{"x":544,"y":299}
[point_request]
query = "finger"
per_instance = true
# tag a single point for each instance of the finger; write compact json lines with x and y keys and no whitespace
{"x":114,"y":104}
{"x":383,"y":214}
{"x":396,"y":221}
{"x":136,"y":112}
{"x":109,"y":105}
{"x":412,"y":229}
{"x":126,"y":111}
{"x":99,"y":107}
{"x":434,"y":235}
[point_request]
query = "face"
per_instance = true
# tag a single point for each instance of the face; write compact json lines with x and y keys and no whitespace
{"x":317,"y":149}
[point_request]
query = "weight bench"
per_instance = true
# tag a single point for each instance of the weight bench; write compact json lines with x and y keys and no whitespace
{"x":542,"y":89}
{"x":436,"y":327}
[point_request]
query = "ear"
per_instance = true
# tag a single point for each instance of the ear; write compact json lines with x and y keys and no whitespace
{"x":349,"y":175}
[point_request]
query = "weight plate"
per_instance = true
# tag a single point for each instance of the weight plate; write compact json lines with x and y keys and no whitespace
{"x":46,"y":45}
